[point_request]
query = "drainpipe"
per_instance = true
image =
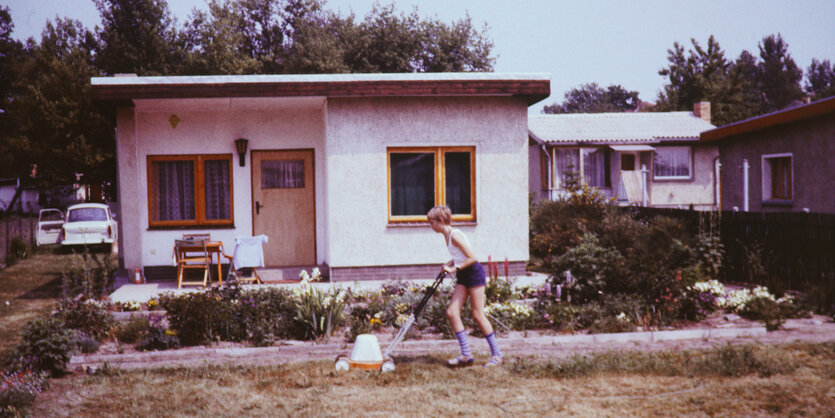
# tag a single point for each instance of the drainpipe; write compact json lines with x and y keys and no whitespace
{"x":548,"y":176}
{"x":745,"y":168}
{"x":644,"y":194}
{"x":717,"y":190}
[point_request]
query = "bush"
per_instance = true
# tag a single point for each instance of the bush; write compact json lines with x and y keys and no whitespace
{"x":619,"y":313}
{"x":47,"y":346}
{"x":132,"y":330}
{"x":363,"y":320}
{"x":764,"y":309}
{"x":202,"y":317}
{"x":18,"y":250}
{"x":321,"y":312}
{"x":595,"y":270}
{"x":156,"y":338}
{"x":267,"y":315}
{"x":89,"y":276}
{"x":88,"y":316}
{"x":514,"y":315}
{"x":86,"y":344}
{"x":18,"y":389}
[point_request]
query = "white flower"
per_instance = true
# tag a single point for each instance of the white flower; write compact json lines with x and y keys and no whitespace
{"x":621,"y":317}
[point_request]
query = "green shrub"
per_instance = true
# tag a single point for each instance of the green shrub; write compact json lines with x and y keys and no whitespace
{"x":18,"y":390}
{"x":267,"y":315}
{"x":764,"y":309}
{"x":86,"y":315}
{"x":202,"y":317}
{"x":86,"y":344}
{"x":595,"y":270}
{"x":557,"y":315}
{"x":18,"y":250}
{"x":132,"y":330}
{"x":363,"y":320}
{"x":89,"y":275}
{"x":47,"y":345}
{"x":499,"y":289}
{"x":156,"y":338}
{"x":321,"y":312}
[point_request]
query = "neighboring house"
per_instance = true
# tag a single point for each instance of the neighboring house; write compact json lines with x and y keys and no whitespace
{"x":336,"y":170}
{"x":25,"y":197}
{"x":648,"y":159}
{"x":788,"y":158}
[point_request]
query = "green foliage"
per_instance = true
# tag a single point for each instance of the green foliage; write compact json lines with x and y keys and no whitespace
{"x":820,"y":79}
{"x":595,"y":270}
{"x":156,"y":338}
{"x":591,"y":98}
{"x":132,"y":330}
{"x":86,"y":344}
{"x":88,"y":316}
{"x":322,"y":312}
{"x":764,"y":309}
{"x":201,"y":317}
{"x":46,"y":346}
{"x":18,"y":250}
{"x":267,"y":314}
{"x":89,"y":276}
{"x":499,"y":289}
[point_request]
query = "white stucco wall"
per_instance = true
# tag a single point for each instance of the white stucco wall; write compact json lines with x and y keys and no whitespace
{"x":208,"y":126}
{"x":700,"y":192}
{"x":358,"y":133}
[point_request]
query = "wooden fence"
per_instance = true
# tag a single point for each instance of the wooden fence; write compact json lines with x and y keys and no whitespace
{"x":21,"y":226}
{"x":795,"y":249}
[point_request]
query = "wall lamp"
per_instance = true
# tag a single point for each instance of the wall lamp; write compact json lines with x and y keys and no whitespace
{"x":240,"y":146}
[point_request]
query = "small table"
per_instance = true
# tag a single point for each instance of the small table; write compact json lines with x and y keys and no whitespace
{"x":213,"y":247}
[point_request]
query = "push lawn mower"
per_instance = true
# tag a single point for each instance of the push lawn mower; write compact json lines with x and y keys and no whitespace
{"x":361,"y":358}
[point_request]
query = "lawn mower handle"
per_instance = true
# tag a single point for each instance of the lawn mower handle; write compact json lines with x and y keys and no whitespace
{"x":429,"y":293}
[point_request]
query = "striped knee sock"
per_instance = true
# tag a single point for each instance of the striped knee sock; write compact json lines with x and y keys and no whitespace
{"x":464,"y":343}
{"x":494,"y":345}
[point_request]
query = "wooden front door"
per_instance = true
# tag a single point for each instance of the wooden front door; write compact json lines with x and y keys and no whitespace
{"x":283,"y":206}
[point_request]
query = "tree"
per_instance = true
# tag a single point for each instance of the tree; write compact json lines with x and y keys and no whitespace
{"x":138,"y":36}
{"x":217,"y":42}
{"x":778,"y":75}
{"x":820,"y":79}
{"x":11,"y":52}
{"x":591,"y":98}
{"x":56,"y":124}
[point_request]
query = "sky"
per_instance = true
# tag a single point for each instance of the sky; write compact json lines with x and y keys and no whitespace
{"x":622,"y":42}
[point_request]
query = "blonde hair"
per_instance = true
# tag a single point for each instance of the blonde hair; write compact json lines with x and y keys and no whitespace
{"x":440,"y":213}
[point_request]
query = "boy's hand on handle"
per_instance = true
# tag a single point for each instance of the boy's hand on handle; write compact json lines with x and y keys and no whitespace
{"x":449,"y":269}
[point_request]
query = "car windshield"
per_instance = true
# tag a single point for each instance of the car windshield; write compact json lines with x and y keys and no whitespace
{"x":87,"y":214}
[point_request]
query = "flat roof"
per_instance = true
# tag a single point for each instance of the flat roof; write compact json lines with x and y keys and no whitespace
{"x":814,"y":109}
{"x":125,"y":88}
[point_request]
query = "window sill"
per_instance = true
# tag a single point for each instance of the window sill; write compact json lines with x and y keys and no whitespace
{"x":426,"y":224}
{"x":188,"y":227}
{"x":672,"y":179}
{"x":778,"y":202}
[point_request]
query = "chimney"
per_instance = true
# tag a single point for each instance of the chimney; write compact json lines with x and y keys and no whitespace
{"x":702,"y":110}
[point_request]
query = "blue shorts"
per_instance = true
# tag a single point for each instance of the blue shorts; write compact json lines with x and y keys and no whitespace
{"x":472,"y":276}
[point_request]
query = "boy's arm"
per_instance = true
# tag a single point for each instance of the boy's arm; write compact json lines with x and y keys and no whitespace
{"x":466,"y":249}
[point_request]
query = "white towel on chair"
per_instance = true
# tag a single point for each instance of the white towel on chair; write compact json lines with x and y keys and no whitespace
{"x":249,"y":251}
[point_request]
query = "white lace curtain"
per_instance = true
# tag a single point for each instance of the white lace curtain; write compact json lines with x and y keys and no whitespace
{"x":282,"y":174}
{"x":174,"y":200}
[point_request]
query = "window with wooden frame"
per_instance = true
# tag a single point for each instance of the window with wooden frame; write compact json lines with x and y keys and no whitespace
{"x":190,"y":190}
{"x":420,"y":178}
{"x":777,"y":177}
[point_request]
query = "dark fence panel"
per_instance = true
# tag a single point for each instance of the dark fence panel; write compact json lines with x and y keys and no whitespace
{"x":21,"y":226}
{"x":791,"y":249}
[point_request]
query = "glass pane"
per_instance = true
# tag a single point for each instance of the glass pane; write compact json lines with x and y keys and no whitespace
{"x":594,"y":167}
{"x":458,"y":176}
{"x":412,"y":183}
{"x":565,"y":161}
{"x":282,"y":174}
{"x":87,"y":214}
{"x":672,"y":162}
{"x":218,"y":202}
{"x":172,"y":194}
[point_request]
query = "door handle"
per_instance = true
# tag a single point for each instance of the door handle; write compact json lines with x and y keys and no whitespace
{"x":258,"y":207}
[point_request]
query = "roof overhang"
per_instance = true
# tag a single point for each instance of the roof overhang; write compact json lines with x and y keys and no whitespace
{"x":123,"y":90}
{"x":811,"y":110}
{"x":632,"y":148}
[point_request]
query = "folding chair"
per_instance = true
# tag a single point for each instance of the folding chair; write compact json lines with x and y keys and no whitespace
{"x":247,"y":256}
{"x":192,"y":255}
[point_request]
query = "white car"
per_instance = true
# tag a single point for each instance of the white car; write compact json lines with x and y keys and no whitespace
{"x":85,"y":224}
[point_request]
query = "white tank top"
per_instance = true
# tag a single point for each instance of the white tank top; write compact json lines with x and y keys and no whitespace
{"x":458,"y":256}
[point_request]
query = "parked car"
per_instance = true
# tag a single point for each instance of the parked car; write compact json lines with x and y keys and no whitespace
{"x":84,"y":224}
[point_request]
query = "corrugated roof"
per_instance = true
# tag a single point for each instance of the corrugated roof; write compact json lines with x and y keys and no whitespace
{"x":648,"y":127}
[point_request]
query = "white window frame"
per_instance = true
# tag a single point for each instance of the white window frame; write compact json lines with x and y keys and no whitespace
{"x":689,"y":162}
{"x":768,"y":175}
{"x":556,"y":177}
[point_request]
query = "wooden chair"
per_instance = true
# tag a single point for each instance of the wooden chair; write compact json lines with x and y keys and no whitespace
{"x":192,"y":255}
{"x":247,"y":256}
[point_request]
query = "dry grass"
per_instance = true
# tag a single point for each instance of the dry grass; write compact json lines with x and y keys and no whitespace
{"x":422,"y":386}
{"x":28,"y":290}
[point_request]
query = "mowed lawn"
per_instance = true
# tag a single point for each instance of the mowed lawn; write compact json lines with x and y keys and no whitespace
{"x":783,"y":380}
{"x":780,"y":380}
{"x":28,"y":290}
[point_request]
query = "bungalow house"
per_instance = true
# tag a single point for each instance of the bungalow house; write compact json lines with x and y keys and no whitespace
{"x":337,"y":170}
{"x":648,"y":159}
{"x":779,"y":162}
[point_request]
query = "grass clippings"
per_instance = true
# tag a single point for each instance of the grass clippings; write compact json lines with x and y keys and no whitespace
{"x":610,"y":384}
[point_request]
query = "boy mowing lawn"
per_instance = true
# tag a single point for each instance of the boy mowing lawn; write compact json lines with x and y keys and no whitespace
{"x":470,"y":282}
